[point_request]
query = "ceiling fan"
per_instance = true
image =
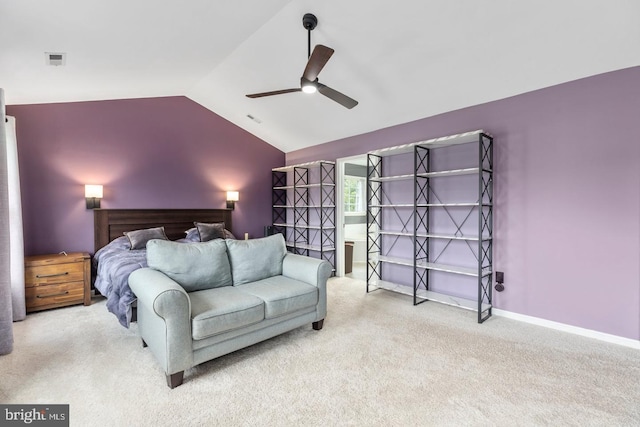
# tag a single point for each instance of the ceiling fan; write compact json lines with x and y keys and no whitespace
{"x":316,"y":61}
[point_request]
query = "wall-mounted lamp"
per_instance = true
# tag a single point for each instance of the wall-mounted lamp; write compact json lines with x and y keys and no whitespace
{"x":232,"y":198}
{"x":93,"y":194}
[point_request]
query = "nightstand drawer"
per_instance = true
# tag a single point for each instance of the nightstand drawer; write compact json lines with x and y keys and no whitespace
{"x":48,"y":296}
{"x":56,"y":273}
{"x":57,"y":280}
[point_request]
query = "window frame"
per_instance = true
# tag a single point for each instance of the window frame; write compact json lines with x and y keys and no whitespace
{"x":359,"y":204}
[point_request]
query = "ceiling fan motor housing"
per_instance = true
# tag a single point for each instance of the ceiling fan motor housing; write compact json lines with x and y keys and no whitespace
{"x":309,"y":21}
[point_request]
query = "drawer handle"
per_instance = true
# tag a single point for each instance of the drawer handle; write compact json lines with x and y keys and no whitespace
{"x":42,"y":276}
{"x":52,"y":295}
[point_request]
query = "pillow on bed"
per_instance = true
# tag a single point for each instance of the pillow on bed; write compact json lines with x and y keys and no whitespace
{"x":194,"y":266}
{"x":119,"y":243}
{"x":192,"y":235}
{"x":210,"y":231}
{"x":139,"y":238}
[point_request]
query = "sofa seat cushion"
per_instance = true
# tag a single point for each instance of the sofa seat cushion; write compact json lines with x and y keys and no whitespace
{"x":282,"y":295}
{"x":223,"y":309}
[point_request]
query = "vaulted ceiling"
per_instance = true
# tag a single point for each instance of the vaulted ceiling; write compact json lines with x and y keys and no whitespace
{"x":402,"y":60}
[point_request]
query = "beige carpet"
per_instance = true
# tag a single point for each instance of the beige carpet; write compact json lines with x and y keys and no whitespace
{"x":378,"y":361}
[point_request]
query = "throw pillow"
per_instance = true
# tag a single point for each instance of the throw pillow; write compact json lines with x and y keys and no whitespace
{"x":192,"y":235}
{"x":210,"y":231}
{"x":139,"y":238}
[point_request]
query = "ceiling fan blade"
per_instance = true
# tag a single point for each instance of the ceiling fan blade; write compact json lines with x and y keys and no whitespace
{"x":275,"y":92}
{"x":340,"y":98}
{"x":317,"y":61}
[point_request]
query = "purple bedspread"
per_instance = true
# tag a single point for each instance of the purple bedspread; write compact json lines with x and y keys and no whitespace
{"x":114,"y":263}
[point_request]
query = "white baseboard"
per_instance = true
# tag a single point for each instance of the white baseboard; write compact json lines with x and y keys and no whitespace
{"x":614,"y":339}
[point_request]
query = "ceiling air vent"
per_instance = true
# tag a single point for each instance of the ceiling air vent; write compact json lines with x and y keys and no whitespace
{"x":56,"y":58}
{"x":254,"y":118}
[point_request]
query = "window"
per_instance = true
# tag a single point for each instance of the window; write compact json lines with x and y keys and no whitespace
{"x":354,"y":195}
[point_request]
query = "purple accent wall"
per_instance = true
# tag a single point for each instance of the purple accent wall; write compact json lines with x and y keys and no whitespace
{"x":148,"y":153}
{"x":567,"y":196}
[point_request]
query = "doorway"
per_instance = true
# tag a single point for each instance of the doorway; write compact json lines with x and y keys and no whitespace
{"x":351,"y":217}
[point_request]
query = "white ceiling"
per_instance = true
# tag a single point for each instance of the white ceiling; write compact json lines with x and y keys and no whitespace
{"x":402,"y":60}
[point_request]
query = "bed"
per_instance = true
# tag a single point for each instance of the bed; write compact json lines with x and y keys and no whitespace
{"x":114,"y":260}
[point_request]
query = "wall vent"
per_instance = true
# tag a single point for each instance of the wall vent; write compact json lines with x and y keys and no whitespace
{"x":255,"y":119}
{"x":56,"y":58}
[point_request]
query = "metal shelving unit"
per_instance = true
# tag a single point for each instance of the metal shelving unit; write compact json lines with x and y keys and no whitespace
{"x":392,"y":221}
{"x":304,"y":204}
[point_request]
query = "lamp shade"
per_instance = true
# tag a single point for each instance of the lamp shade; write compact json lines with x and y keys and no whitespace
{"x":233,"y":196}
{"x":93,"y":191}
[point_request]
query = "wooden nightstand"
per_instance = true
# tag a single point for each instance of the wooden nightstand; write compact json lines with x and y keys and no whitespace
{"x":57,"y":280}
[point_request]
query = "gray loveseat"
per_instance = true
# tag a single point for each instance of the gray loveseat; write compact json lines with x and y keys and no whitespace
{"x":199,"y":301}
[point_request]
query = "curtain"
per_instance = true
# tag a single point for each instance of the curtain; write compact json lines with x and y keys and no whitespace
{"x":16,"y":241}
{"x":6,"y":310}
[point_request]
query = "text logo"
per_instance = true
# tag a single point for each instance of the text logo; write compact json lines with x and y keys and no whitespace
{"x":34,"y":415}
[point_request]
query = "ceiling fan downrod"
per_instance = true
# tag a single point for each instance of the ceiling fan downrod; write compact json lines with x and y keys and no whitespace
{"x":309,"y":22}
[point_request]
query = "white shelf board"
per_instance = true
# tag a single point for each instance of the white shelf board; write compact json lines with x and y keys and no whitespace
{"x":392,"y":178}
{"x":303,"y":206}
{"x":431,"y":236}
{"x":315,"y":248}
{"x":430,"y":295}
{"x":316,"y":185}
{"x":291,"y":187}
{"x":444,"y":205}
{"x":456,"y":269}
{"x":452,"y":172}
{"x":392,"y":233}
{"x":450,"y":237}
{"x":396,"y":260}
{"x":398,"y":205}
{"x":445,"y":141}
{"x":435,"y":174}
{"x":301,"y":165}
{"x":310,"y":227}
{"x":431,"y":205}
{"x":281,"y":224}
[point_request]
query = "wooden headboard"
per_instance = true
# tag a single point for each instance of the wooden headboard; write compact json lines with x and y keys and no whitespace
{"x":109,"y":224}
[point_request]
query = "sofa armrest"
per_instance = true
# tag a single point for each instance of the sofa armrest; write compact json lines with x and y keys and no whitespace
{"x":313,"y":271}
{"x":164,"y":318}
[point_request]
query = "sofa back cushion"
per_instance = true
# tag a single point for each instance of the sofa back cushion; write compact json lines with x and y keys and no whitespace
{"x":195,"y":266}
{"x":256,"y":259}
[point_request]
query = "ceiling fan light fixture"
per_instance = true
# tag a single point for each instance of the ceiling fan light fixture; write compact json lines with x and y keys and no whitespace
{"x":309,"y":87}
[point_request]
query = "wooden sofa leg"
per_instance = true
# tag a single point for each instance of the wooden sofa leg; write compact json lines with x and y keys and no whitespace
{"x":144,"y":344}
{"x":174,"y":380}
{"x":318,"y":325}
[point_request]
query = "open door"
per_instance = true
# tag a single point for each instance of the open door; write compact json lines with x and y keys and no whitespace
{"x":351,"y":214}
